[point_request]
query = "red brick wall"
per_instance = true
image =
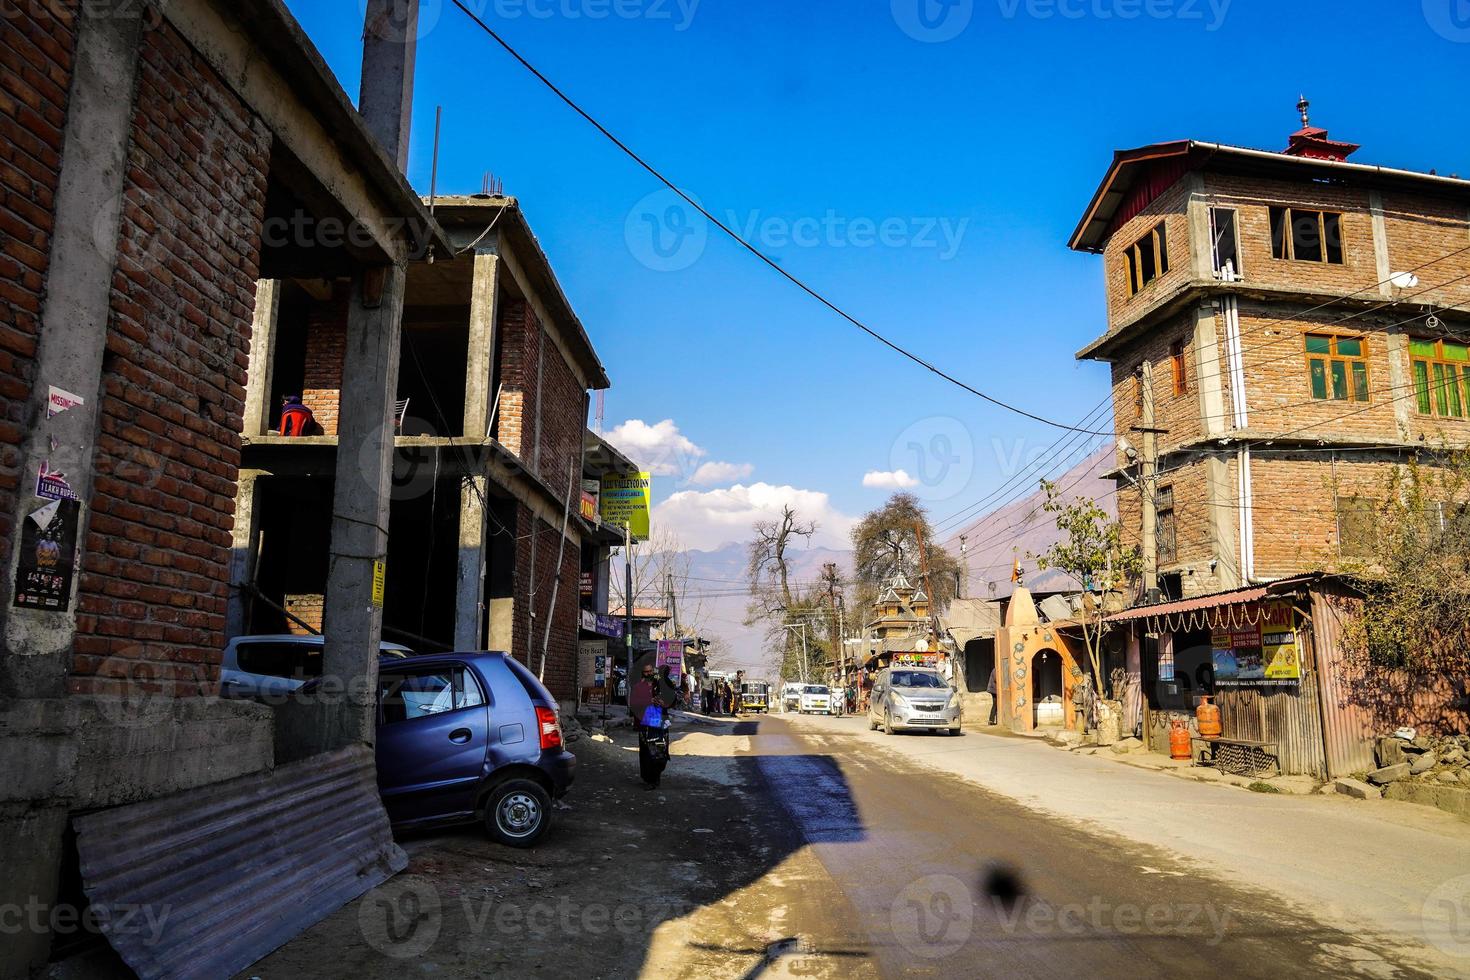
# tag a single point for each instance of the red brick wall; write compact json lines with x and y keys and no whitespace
{"x":326,"y":347}
{"x":154,"y":580}
{"x":36,"y":49}
{"x":1169,"y":208}
{"x":563,"y":404}
{"x":561,"y":657}
{"x":516,"y":338}
{"x":1420,"y":232}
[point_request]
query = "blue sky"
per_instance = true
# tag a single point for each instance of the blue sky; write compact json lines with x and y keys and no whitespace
{"x":924,"y":174}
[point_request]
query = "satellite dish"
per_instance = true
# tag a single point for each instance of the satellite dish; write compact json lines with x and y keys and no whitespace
{"x":1403,"y":280}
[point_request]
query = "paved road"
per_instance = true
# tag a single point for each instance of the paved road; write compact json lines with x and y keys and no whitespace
{"x":925,"y":864}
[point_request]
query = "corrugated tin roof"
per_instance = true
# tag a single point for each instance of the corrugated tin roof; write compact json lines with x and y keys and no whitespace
{"x":233,"y":870}
{"x":1253,"y":593}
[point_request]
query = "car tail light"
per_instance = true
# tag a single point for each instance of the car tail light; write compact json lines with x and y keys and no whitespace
{"x":549,"y":726}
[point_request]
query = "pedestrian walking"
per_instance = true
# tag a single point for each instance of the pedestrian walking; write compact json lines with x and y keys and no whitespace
{"x":994,"y":701}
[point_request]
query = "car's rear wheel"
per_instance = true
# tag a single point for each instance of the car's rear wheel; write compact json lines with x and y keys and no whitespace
{"x":518,"y":812}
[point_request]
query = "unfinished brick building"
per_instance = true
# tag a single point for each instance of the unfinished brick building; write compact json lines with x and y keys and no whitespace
{"x":1283,"y":329}
{"x":151,"y":158}
{"x":492,"y":395}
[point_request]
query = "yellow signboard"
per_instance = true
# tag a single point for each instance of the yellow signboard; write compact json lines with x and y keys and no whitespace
{"x":380,"y":579}
{"x":625,"y":502}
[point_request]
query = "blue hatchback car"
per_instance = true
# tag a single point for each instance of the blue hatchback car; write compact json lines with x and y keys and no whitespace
{"x":469,"y":737}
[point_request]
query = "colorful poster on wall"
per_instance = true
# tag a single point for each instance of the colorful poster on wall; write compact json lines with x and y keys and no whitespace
{"x":671,"y":654}
{"x":626,"y":501}
{"x":1265,"y":653}
{"x":48,"y":548}
{"x":593,"y":654}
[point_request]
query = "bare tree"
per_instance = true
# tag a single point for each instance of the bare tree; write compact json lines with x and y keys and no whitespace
{"x":773,"y":599}
{"x":660,"y":565}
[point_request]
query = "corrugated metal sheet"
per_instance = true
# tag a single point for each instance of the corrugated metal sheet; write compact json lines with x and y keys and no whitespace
{"x":1346,"y":729}
{"x":236,"y":869}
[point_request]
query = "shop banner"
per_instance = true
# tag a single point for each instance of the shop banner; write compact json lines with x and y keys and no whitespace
{"x":1265,"y":653}
{"x":588,"y":584}
{"x":671,"y":654}
{"x":588,"y":506}
{"x":626,"y":501}
{"x":610,"y":626}
{"x":593,"y":655}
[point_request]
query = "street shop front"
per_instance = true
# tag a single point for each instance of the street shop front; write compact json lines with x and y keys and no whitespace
{"x":1253,"y":653}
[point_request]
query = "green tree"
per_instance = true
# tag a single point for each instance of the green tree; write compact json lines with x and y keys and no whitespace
{"x":886,"y":542}
{"x":1091,"y":550}
{"x":1416,"y":576}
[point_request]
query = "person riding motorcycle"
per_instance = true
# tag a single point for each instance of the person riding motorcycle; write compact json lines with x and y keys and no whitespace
{"x":650,"y":704}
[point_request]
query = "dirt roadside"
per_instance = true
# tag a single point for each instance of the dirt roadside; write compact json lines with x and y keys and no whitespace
{"x":698,"y":878}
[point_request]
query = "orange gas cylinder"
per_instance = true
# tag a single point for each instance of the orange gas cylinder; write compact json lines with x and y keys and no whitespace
{"x":1208,"y":717}
{"x":1178,"y":739}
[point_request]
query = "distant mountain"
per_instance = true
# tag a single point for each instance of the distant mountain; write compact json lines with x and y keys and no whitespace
{"x":1022,"y":528}
{"x":717,"y":595}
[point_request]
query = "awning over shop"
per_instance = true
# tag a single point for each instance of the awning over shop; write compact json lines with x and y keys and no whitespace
{"x":1207,"y":611}
{"x":972,"y":619}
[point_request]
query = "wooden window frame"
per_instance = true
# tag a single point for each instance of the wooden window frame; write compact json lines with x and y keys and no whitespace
{"x":1168,"y":552}
{"x":1349,"y":361}
{"x":1158,"y":238}
{"x":1179,"y":367}
{"x":1443,"y":401}
{"x":1288,"y":244}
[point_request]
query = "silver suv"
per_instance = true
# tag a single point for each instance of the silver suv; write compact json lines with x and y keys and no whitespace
{"x":913,"y":699}
{"x":276,"y":665}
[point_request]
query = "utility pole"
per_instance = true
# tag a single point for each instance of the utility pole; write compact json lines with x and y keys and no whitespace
{"x":628,"y":606}
{"x":1148,"y":478}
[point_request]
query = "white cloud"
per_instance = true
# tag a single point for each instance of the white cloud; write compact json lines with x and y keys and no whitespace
{"x":889,"y":480}
{"x":661,"y":448}
{"x":704,"y":520}
{"x":711,"y":473}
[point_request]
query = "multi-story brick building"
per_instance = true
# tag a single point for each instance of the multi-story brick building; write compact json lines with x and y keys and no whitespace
{"x":485,"y":526}
{"x":1283,"y":328}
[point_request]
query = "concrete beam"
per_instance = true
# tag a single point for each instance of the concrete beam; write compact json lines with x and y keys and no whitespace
{"x":352,"y":622}
{"x":262,"y":357}
{"x":479,"y":400}
{"x":389,"y":49}
{"x":469,"y":596}
{"x":74,"y":319}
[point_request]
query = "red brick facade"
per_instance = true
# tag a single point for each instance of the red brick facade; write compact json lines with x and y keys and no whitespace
{"x":1342,"y":448}
{"x":154,"y":579}
{"x":36,"y":50}
{"x":326,"y":347}
{"x":561,"y":656}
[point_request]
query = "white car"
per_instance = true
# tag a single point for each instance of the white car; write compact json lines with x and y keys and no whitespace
{"x":276,"y":665}
{"x":816,"y":699}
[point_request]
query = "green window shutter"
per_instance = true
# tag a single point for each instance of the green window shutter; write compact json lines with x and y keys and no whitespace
{"x":1452,"y":388}
{"x":1318,"y":371}
{"x":1317,"y":344}
{"x":1441,"y":400}
{"x":1456,"y":352}
{"x":1421,"y":386}
{"x":1350,"y":348}
{"x":1339,"y":381}
{"x":1360,"y":381}
{"x":1421,"y":348}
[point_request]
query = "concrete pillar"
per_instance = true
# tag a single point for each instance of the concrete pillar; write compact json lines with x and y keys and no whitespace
{"x":243,"y":553}
{"x":1221,"y":504}
{"x":352,"y":621}
{"x":469,"y":598}
{"x":262,"y":357}
{"x":1400,"y":378}
{"x":479,"y":399}
{"x":73,"y":333}
{"x":1381,"y":260}
{"x":1201,"y":242}
{"x":389,"y":47}
{"x":1208,"y":356}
